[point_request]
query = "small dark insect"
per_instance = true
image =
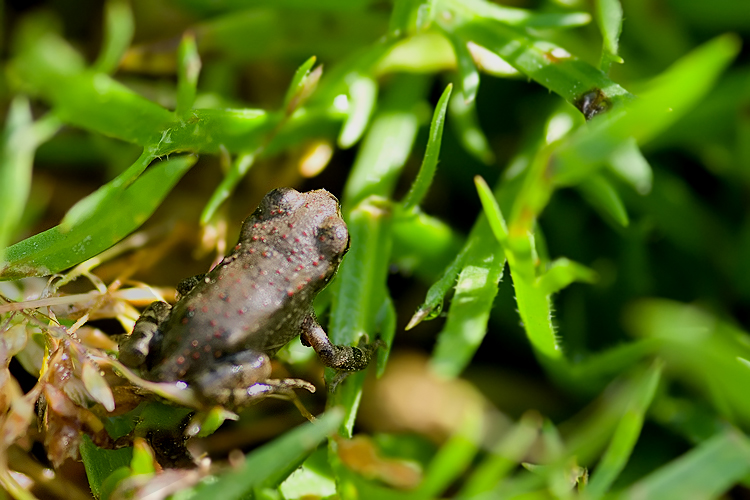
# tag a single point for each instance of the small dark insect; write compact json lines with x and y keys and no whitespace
{"x":592,"y":103}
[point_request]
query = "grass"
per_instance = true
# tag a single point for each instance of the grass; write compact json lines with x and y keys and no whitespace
{"x":564,"y":299}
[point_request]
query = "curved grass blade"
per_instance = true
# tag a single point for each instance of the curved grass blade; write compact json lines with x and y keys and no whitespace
{"x":480,"y":236}
{"x":19,"y":140}
{"x":609,"y":18}
{"x":118,"y":32}
{"x":626,"y":434}
{"x":467,"y":70}
{"x":520,"y":17}
{"x":50,"y":68}
{"x":463,"y":114}
{"x":545,"y":63}
{"x":388,"y":143}
{"x":55,"y":250}
{"x":270,"y":464}
{"x":239,"y":168}
{"x":363,"y":93}
{"x":433,"y":302}
{"x":429,"y":163}
{"x":94,"y":101}
{"x":297,"y":85}
{"x":706,"y":471}
{"x":601,"y":195}
{"x":629,"y":164}
{"x":85,"y":207}
{"x":561,"y":273}
{"x":666,"y":100}
{"x":188,"y":69}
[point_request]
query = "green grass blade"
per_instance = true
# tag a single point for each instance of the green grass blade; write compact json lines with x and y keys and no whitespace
{"x":239,"y":168}
{"x":361,"y":292}
{"x":16,"y":164}
{"x":506,"y":455}
{"x":270,"y":464}
{"x":423,"y":245}
{"x":626,"y":434}
{"x":429,"y":164}
{"x":603,"y":197}
{"x":666,"y":99}
{"x":535,"y":310}
{"x":55,"y":250}
{"x":50,"y":68}
{"x":492,"y":210}
{"x":118,"y":32}
{"x":96,"y":102}
{"x":101,"y":463}
{"x":363,"y":92}
{"x":628,"y":163}
{"x":217,"y":130}
{"x":84,"y":208}
{"x":533,"y":304}
{"x":470,"y":307}
{"x":297,"y":85}
{"x":388,"y":143}
{"x":702,"y":349}
{"x":545,"y":63}
{"x":467,"y":70}
{"x":463,"y":118}
{"x":401,"y":17}
{"x":480,"y":236}
{"x":519,"y":17}
{"x":452,"y":459}
{"x":561,"y":273}
{"x":385,"y":323}
{"x":706,"y":471}
{"x":188,"y":70}
{"x":18,"y":142}
{"x":608,"y":15}
{"x":433,"y":302}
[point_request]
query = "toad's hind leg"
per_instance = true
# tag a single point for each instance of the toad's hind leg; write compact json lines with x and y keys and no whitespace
{"x":242,"y":378}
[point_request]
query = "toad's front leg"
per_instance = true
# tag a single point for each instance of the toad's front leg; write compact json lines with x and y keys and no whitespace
{"x":343,"y":358}
{"x":135,"y":348}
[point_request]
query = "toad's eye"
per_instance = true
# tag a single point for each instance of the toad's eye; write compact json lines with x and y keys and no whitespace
{"x":333,"y":238}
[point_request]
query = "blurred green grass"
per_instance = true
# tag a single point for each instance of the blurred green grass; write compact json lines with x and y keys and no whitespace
{"x":626,"y":237}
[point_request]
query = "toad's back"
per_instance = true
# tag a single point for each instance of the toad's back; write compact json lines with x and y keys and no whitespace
{"x":257,"y":297}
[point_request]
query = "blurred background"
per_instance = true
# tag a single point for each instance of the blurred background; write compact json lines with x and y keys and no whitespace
{"x":688,"y":237}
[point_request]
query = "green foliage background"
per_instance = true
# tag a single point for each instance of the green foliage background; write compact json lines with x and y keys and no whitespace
{"x":602,"y":266}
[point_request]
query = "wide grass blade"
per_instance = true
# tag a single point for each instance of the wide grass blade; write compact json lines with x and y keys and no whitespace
{"x":360,"y":294}
{"x":706,"y":471}
{"x":270,"y":464}
{"x":57,"y":249}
